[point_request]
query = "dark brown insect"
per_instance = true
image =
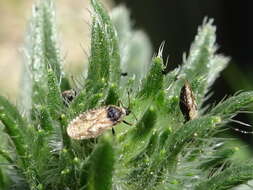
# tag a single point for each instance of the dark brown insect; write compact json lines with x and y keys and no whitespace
{"x":187,"y":102}
{"x":68,"y":96}
{"x":95,"y":122}
{"x":124,"y":74}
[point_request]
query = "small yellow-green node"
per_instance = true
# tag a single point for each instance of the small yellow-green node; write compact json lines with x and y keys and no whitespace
{"x":113,"y":85}
{"x":63,"y":116}
{"x":151,"y":108}
{"x":64,"y":150}
{"x":76,"y":160}
{"x":174,"y":182}
{"x":217,"y":119}
{"x":40,"y":131}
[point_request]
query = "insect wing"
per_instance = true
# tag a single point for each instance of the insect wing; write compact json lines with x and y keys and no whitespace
{"x":89,"y":124}
{"x":187,"y":103}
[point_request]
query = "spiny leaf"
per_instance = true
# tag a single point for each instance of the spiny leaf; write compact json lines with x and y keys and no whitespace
{"x":11,"y":111}
{"x":104,"y":62}
{"x":3,"y":180}
{"x":42,"y":51}
{"x":87,"y":101}
{"x":203,"y":66}
{"x":153,"y":82}
{"x":144,"y":126}
{"x":51,"y":49}
{"x":217,"y":159}
{"x":24,"y":100}
{"x":112,"y":96}
{"x":101,"y":167}
{"x":14,"y":126}
{"x":54,"y":98}
{"x":112,"y":38}
{"x":201,"y":51}
{"x":228,"y":178}
{"x":45,"y":119}
{"x":164,"y":160}
{"x":197,"y":127}
{"x":6,"y":156}
{"x":233,"y":105}
{"x":15,"y":133}
{"x":98,"y":71}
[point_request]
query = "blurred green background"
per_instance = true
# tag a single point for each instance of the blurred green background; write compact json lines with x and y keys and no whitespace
{"x":174,"y":21}
{"x":73,"y":19}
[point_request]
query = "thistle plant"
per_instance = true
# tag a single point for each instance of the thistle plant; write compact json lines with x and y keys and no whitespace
{"x":160,"y":150}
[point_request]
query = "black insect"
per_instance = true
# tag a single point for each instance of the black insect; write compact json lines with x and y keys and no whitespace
{"x":68,"y":96}
{"x":124,"y":74}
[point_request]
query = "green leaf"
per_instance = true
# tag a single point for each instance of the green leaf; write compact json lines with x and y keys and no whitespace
{"x":104,"y":62}
{"x":51,"y":50}
{"x":203,"y":66}
{"x":98,"y":77}
{"x":112,"y":96}
{"x":6,"y":155}
{"x":153,"y":82}
{"x":42,"y":51}
{"x":54,"y":98}
{"x":111,"y":36}
{"x":15,"y":133}
{"x":86,"y":101}
{"x":24,"y":100}
{"x":7,"y":108}
{"x":99,"y":61}
{"x":2,"y":180}
{"x":199,"y":128}
{"x":233,"y":105}
{"x":45,"y":119}
{"x":228,"y":178}
{"x":217,"y":159}
{"x":144,"y":126}
{"x":101,"y":167}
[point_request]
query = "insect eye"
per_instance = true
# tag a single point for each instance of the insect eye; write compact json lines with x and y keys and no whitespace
{"x":128,"y":111}
{"x":113,"y":113}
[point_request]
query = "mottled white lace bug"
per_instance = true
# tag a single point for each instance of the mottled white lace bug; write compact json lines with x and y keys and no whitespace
{"x":95,"y":122}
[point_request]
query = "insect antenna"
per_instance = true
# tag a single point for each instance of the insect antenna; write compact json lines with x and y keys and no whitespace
{"x":113,"y":131}
{"x":127,"y":122}
{"x":128,"y":97}
{"x":128,"y":109}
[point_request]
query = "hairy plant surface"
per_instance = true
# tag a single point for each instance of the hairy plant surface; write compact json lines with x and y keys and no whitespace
{"x":159,"y":151}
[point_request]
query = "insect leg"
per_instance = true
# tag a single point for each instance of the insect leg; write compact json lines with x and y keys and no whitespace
{"x":113,"y":131}
{"x":126,"y":122}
